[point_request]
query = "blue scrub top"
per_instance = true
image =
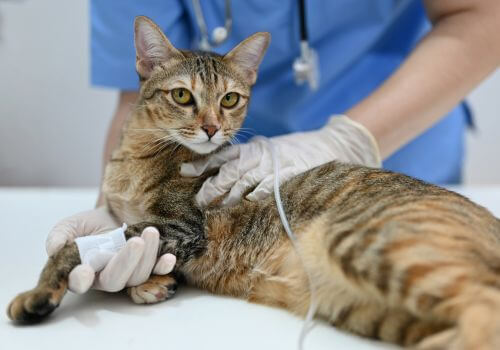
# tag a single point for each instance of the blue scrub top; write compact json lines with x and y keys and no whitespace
{"x":360,"y":43}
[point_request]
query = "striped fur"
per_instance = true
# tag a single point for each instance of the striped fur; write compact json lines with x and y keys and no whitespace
{"x":393,"y":258}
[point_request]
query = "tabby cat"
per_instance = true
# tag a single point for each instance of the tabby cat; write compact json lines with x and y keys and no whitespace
{"x":393,"y":258}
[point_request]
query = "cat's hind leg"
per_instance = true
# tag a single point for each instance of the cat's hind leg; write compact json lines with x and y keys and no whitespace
{"x":445,"y":340}
{"x":449,"y":280}
{"x":442,"y":278}
{"x":476,"y":312}
{"x":154,"y":290}
{"x":158,"y":287}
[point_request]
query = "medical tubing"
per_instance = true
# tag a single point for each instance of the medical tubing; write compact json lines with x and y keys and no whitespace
{"x":312,"y":288}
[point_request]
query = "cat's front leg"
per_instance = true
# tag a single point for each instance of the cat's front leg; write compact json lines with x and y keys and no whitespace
{"x":183,"y":238}
{"x":36,"y":304}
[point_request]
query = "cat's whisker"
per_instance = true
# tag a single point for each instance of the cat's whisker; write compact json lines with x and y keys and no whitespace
{"x":151,"y":144}
{"x":242,"y":131}
{"x":233,"y":140}
{"x":166,"y":141}
{"x":154,"y":129}
{"x":252,"y":130}
{"x":137,"y":105}
{"x":148,"y":145}
{"x":161,"y":147}
{"x":246,"y":133}
{"x":177,"y":145}
{"x":158,"y":144}
{"x":172,"y":152}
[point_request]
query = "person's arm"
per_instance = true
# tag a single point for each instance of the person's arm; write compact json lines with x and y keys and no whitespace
{"x":460,"y":51}
{"x":123,"y":109}
{"x":125,"y":102}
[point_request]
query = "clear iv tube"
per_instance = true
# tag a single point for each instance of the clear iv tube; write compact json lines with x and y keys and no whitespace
{"x":308,"y":322}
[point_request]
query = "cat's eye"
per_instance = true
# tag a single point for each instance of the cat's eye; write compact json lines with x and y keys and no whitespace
{"x":182,"y":96}
{"x":230,"y":100}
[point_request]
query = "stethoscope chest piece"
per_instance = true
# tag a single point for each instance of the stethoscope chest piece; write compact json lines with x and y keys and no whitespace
{"x":219,"y":35}
{"x":305,"y":67}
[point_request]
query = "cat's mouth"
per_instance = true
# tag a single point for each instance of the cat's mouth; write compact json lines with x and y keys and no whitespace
{"x":202,"y":147}
{"x":200,"y":143}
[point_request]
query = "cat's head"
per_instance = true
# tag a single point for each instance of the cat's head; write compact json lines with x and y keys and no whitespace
{"x":196,"y":99}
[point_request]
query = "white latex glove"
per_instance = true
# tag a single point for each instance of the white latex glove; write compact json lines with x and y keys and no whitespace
{"x":246,"y":165}
{"x":130,"y":266}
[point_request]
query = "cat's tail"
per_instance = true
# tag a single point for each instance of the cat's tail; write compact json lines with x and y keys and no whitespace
{"x":36,"y":304}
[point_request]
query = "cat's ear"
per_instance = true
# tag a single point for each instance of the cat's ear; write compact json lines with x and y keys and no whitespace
{"x":246,"y":57}
{"x":151,"y":46}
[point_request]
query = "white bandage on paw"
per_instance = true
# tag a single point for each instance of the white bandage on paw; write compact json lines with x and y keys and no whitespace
{"x":97,"y":250}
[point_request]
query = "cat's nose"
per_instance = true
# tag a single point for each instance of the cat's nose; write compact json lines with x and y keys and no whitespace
{"x":210,"y":130}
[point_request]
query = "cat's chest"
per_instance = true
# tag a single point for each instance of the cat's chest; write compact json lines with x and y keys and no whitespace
{"x":126,"y":200}
{"x":129,"y":187}
{"x":138,"y":191}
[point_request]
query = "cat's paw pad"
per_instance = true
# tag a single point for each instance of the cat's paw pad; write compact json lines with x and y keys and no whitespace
{"x":154,"y":290}
{"x":32,"y":306}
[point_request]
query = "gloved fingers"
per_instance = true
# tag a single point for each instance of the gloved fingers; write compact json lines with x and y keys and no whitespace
{"x":117,"y":272}
{"x":198,"y":167}
{"x":218,"y":185}
{"x":357,"y":143}
{"x":96,"y":221}
{"x":151,"y":238}
{"x":251,"y":155}
{"x":165,"y":264}
{"x":58,"y":236}
{"x":81,"y":278}
{"x":266,"y":186}
{"x":248,"y":180}
{"x":208,"y":192}
{"x":82,"y":224}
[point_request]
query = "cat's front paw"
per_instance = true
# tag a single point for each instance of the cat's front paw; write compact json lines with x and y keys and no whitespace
{"x":34,"y":305}
{"x":154,"y":290}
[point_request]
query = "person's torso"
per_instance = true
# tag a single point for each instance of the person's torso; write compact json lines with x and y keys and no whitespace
{"x":359,"y":43}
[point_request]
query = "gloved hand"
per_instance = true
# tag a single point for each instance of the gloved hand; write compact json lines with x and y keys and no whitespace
{"x":246,"y":165}
{"x":131,"y":266}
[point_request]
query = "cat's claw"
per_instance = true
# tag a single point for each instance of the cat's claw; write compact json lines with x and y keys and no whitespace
{"x":154,"y":290}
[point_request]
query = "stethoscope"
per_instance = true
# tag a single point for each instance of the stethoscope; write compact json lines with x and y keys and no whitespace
{"x":305,"y":67}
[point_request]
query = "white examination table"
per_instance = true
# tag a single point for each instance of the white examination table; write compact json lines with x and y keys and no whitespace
{"x":193,"y":319}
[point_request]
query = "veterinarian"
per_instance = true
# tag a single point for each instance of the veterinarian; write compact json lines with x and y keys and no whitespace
{"x":397,"y":70}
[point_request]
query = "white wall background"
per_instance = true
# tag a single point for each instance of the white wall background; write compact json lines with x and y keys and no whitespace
{"x":482,"y":165}
{"x":52,"y":124}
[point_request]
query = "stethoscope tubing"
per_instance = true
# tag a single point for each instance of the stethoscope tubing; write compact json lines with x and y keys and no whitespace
{"x":205,"y":42}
